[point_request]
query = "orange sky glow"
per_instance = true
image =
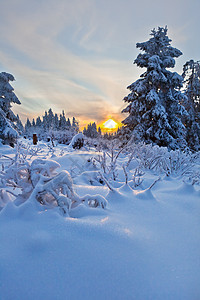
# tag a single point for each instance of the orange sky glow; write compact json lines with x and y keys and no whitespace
{"x":107,"y":125}
{"x":110,"y":125}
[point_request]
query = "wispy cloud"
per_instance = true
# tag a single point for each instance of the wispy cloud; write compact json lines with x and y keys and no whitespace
{"x":77,"y":55}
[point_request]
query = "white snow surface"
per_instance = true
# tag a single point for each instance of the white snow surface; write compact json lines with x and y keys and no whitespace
{"x":144,"y":245}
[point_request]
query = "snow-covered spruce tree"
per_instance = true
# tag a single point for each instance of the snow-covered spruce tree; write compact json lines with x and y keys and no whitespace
{"x":191,"y":75}
{"x":56,"y":122}
{"x":28,"y":128}
{"x":155,"y":113}
{"x":51,"y":120}
{"x":38,"y":122}
{"x":68,"y":124}
{"x":62,"y":122}
{"x":99,"y":131}
{"x":20,"y":127}
{"x":75,"y":125}
{"x":8,"y":128}
{"x":91,"y":130}
{"x":33,"y":123}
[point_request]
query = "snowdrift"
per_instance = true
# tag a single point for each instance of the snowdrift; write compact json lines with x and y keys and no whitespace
{"x":143,"y":244}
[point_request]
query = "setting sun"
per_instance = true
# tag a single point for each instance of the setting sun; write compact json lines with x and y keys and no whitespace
{"x":109,"y":125}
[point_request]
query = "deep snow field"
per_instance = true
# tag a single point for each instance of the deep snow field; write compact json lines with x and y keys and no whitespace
{"x":145,"y":244}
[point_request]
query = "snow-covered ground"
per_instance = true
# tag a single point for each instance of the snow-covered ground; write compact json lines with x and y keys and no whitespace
{"x":145,"y":244}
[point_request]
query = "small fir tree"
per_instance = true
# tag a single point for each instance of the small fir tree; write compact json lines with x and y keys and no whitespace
{"x":38,"y":122}
{"x":99,"y":130}
{"x":191,"y":75}
{"x":56,"y":122}
{"x":33,"y":123}
{"x":50,"y":119}
{"x":28,"y":127}
{"x":45,"y":121}
{"x":75,"y":125}
{"x":20,"y":127}
{"x":68,"y":123}
{"x":63,"y":122}
{"x":8,"y":127}
{"x":155,"y":114}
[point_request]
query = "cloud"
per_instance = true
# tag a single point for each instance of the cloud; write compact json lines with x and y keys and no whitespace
{"x":51,"y":74}
{"x":93,"y":97}
{"x":77,"y":55}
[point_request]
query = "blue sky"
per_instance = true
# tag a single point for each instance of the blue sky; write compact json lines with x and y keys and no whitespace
{"x":77,"y":55}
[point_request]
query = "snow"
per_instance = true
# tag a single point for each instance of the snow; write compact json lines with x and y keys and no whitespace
{"x":144,"y":244}
{"x":75,"y":139}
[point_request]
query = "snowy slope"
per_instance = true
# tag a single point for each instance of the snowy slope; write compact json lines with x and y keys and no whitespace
{"x":144,"y":245}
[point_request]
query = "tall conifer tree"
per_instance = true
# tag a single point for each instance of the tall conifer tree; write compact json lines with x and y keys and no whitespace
{"x":155,"y":114}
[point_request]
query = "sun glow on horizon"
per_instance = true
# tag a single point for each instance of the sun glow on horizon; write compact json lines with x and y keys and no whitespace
{"x":110,"y":125}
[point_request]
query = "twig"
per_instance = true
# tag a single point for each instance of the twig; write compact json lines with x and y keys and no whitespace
{"x":2,"y":155}
{"x":116,"y":157}
{"x":154,"y":183}
{"x":106,"y":182}
{"x":125,"y":173}
{"x":11,"y":193}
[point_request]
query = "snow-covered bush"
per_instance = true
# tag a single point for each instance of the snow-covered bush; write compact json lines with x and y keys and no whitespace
{"x":77,"y":141}
{"x":162,"y":161}
{"x":54,"y":189}
{"x":50,"y":187}
{"x":39,"y":181}
{"x":136,"y":179}
{"x":24,"y":179}
{"x":106,"y":158}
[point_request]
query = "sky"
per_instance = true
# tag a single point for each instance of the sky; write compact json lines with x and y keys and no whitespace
{"x":78,"y":55}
